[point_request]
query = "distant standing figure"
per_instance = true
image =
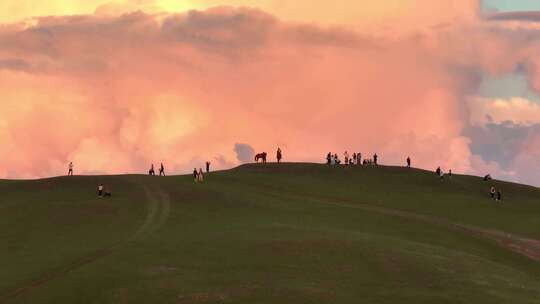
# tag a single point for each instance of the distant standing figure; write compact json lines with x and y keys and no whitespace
{"x":354,"y":158}
{"x":438,"y":171}
{"x":329,"y":158}
{"x":492,"y":192}
{"x":152,"y":171}
{"x":499,"y":196}
{"x":70,"y":169}
{"x":278,"y":155}
{"x":375,"y":159}
{"x":450,"y":173}
{"x":487,"y":178}
{"x":161,"y":170}
{"x":408,"y":162}
{"x":100,"y":190}
{"x":346,"y":156}
{"x":207,"y":167}
{"x":195,"y":175}
{"x":358,"y":158}
{"x":201,"y":175}
{"x":441,"y":174}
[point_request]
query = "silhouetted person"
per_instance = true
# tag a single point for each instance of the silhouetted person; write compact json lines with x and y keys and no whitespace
{"x":161,"y":170}
{"x":346,"y":156}
{"x":70,"y":169}
{"x":487,"y":178}
{"x":201,"y":175}
{"x":408,"y":162}
{"x":354,"y":158}
{"x":207,"y":167}
{"x":358,"y":158}
{"x":279,"y":155}
{"x":100,"y":190}
{"x":492,"y":192}
{"x":450,"y":173}
{"x":329,"y":158}
{"x":195,"y":175}
{"x":438,"y":171}
{"x":152,"y":171}
{"x":499,"y":196}
{"x":375,"y":159}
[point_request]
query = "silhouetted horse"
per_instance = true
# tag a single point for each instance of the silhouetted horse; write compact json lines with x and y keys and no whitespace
{"x":261,"y":156}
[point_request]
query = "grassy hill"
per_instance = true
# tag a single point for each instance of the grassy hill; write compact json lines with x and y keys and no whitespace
{"x":290,"y":233}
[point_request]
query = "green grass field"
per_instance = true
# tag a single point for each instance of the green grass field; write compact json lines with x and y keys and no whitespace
{"x":290,"y":233}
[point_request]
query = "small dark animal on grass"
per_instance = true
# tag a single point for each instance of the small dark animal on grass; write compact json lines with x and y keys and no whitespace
{"x":107,"y":194}
{"x":261,"y":156}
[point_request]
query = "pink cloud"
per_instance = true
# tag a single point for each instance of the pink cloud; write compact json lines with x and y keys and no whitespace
{"x":114,"y":94}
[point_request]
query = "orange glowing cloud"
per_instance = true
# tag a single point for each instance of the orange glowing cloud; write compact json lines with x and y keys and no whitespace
{"x":114,"y":93}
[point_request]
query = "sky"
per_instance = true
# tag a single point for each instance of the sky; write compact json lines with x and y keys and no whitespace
{"x":115,"y":86}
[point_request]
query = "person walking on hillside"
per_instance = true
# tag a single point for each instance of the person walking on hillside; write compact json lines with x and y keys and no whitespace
{"x":161,"y":170}
{"x":278,"y":155}
{"x":375,"y":159}
{"x":207,"y":167}
{"x":201,"y":175}
{"x":151,"y":171}
{"x":346,"y":157}
{"x":195,"y":175}
{"x":492,"y":192}
{"x":408,"y":162}
{"x":70,"y":169}
{"x":438,"y":171}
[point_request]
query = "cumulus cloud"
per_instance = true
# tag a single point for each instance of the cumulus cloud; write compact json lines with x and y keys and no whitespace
{"x":516,"y":110}
{"x":116,"y":93}
{"x":244,"y":153}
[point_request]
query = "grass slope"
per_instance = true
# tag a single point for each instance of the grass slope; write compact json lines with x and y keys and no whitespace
{"x":290,"y":233}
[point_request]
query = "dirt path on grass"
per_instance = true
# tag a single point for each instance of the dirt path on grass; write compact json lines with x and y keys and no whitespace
{"x":524,"y":246}
{"x":158,"y":210}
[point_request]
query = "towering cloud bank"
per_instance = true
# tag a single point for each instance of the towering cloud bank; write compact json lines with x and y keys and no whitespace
{"x":116,"y":93}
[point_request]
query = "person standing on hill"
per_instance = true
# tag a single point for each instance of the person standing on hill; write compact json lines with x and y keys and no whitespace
{"x":329,"y":158}
{"x":354,"y":158}
{"x":151,"y":171}
{"x":201,"y":175}
{"x":278,"y":155}
{"x":161,"y":170}
{"x":346,"y":157}
{"x":70,"y":169}
{"x":195,"y":175}
{"x":100,"y":190}
{"x":492,"y":192}
{"x":438,"y":171}
{"x":375,"y":159}
{"x":358,"y":158}
{"x":207,"y":167}
{"x":408,"y":162}
{"x":499,"y":196}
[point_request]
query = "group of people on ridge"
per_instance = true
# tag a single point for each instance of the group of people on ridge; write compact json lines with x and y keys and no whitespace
{"x":331,"y":159}
{"x":356,"y":159}
{"x":152,"y":172}
{"x":440,"y":173}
